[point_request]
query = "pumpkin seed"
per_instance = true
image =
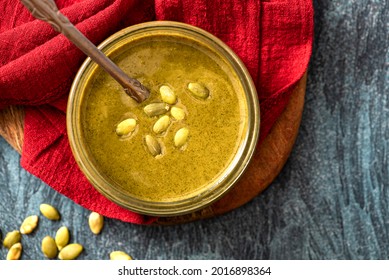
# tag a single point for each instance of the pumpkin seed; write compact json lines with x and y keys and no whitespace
{"x":126,"y":127}
{"x":177,"y":113}
{"x":198,"y":90}
{"x":96,"y":222}
{"x":29,"y":224}
{"x":15,"y":251}
{"x":49,"y":212}
{"x":156,"y":109}
{"x":161,"y":124}
{"x":119,"y":255}
{"x":181,"y":137}
{"x":12,"y":238}
{"x":70,"y":252}
{"x":167,"y":95}
{"x":62,"y":237}
{"x":153,"y":145}
{"x":49,"y":247}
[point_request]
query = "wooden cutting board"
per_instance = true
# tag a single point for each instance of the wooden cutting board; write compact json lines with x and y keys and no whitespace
{"x":268,"y":160}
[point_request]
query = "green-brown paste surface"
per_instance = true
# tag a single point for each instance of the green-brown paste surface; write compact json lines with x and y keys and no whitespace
{"x":215,"y":124}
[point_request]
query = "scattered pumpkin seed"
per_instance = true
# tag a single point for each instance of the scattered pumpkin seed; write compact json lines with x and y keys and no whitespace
{"x":167,"y":95}
{"x":181,"y":137}
{"x":62,"y":237}
{"x":126,"y":127}
{"x":49,"y":212}
{"x":153,"y":145}
{"x":49,"y":247}
{"x":70,"y":252}
{"x":156,"y":109}
{"x":29,"y":224}
{"x":161,"y":124}
{"x":15,"y":252}
{"x":12,"y":238}
{"x":177,"y":113}
{"x":96,"y":222}
{"x":198,"y":90}
{"x":119,"y":255}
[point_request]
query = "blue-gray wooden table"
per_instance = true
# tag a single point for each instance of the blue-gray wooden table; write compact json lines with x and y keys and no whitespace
{"x":331,"y":200}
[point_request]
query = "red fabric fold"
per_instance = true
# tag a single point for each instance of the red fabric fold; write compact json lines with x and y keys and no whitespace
{"x":37,"y":66}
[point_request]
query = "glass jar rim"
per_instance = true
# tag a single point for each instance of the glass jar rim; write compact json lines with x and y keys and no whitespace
{"x":240,"y":162}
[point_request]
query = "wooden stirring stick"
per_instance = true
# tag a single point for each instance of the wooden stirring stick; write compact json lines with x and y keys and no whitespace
{"x":47,"y":11}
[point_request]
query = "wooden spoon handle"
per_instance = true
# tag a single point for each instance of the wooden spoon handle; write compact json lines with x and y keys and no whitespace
{"x":47,"y":11}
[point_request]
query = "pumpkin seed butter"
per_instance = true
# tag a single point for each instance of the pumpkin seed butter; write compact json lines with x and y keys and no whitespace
{"x":148,"y":161}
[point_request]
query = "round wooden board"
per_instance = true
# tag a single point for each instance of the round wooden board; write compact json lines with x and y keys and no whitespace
{"x":268,"y":160}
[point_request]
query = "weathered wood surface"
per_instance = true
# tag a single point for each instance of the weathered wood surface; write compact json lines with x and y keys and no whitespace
{"x":330,"y":201}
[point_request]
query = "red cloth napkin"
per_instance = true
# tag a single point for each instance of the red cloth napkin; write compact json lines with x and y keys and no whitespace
{"x":37,"y":66}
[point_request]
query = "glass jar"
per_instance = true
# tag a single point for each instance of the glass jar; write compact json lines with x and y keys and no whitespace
{"x":161,"y":200}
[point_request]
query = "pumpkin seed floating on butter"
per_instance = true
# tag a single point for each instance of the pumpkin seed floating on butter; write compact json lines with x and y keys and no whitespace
{"x":153,"y":145}
{"x":126,"y":127}
{"x":15,"y":252}
{"x":167,"y":95}
{"x":156,"y":109}
{"x":29,"y":224}
{"x":181,"y":137}
{"x":49,"y":212}
{"x":198,"y":90}
{"x":177,"y":113}
{"x":161,"y":124}
{"x":12,"y":238}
